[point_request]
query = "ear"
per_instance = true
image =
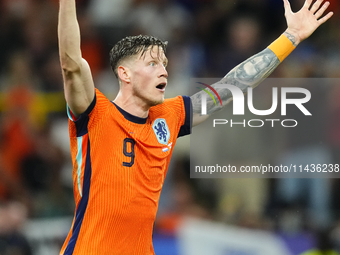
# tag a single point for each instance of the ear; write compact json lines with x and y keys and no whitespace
{"x":124,"y":74}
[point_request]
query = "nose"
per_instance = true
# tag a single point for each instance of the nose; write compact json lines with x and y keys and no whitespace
{"x":163,"y":72}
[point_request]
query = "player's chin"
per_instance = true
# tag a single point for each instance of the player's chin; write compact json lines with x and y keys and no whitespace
{"x":157,"y":102}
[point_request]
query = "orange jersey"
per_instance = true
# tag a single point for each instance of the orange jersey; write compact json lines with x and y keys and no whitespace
{"x":119,"y":165}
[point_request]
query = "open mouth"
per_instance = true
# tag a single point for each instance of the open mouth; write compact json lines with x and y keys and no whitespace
{"x":161,"y":86}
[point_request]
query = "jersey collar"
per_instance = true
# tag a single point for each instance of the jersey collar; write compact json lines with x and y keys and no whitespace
{"x":130,"y":117}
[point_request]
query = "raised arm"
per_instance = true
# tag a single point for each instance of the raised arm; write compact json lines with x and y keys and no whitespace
{"x":78,"y":82}
{"x":258,"y":67}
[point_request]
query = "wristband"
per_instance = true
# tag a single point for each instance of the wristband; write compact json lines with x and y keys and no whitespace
{"x":282,"y":47}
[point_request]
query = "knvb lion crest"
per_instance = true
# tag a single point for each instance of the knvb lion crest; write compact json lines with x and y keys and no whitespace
{"x":161,"y":131}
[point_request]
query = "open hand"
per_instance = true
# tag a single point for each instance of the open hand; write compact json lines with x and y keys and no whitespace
{"x":304,"y":22}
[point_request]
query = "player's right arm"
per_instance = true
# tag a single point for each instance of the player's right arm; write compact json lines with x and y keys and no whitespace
{"x":78,"y":82}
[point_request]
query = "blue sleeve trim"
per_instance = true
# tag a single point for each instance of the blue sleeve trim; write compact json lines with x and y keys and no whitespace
{"x":83,"y":119}
{"x":186,"y":128}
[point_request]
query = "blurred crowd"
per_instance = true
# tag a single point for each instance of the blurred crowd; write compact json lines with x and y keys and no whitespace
{"x":207,"y":38}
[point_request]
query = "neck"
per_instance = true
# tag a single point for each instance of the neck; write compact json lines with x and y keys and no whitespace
{"x":132,"y":105}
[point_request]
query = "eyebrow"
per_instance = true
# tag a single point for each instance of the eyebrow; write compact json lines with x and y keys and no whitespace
{"x":165,"y":60}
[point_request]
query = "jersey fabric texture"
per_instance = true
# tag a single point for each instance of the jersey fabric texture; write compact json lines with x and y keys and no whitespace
{"x":119,"y":165}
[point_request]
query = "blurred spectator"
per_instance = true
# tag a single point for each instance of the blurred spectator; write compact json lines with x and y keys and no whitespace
{"x":17,"y":141}
{"x":41,"y":173}
{"x":39,"y":32}
{"x":17,"y":129}
{"x":159,"y":18}
{"x":91,"y":44}
{"x":51,"y":78}
{"x":241,"y":38}
{"x":12,"y":242}
{"x":109,"y":18}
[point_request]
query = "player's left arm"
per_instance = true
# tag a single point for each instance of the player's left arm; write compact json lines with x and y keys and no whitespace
{"x":253,"y":71}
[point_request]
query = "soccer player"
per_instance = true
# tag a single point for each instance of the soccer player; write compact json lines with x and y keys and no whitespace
{"x":121,"y":149}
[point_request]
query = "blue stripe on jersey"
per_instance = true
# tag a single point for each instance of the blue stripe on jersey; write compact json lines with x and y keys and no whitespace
{"x":82,"y":204}
{"x":81,"y":127}
{"x":186,"y":128}
{"x":79,"y":162}
{"x":69,"y":113}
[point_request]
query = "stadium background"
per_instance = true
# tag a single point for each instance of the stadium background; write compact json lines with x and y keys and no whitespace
{"x":206,"y":39}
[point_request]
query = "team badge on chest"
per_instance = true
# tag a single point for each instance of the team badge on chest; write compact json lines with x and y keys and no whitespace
{"x":161,"y":131}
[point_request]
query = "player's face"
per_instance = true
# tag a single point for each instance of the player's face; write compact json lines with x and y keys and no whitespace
{"x":149,"y":76}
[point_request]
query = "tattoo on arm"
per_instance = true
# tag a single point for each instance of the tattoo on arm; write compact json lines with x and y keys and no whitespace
{"x":247,"y":74}
{"x":291,"y":38}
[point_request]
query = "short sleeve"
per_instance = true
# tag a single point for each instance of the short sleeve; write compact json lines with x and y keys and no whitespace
{"x":82,"y":120}
{"x":93,"y":114}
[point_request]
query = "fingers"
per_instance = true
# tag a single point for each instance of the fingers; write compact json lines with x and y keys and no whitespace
{"x":325,"y":18}
{"x":307,"y":4}
{"x":316,"y":6}
{"x":319,"y":13}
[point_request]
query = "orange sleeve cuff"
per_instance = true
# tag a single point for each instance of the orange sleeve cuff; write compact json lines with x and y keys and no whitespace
{"x":282,"y":47}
